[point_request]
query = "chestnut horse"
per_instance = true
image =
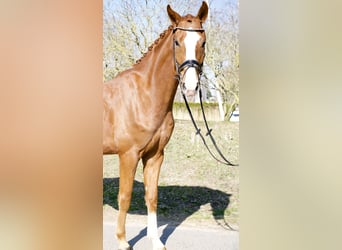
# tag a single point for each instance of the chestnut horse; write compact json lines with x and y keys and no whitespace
{"x":138,"y":120}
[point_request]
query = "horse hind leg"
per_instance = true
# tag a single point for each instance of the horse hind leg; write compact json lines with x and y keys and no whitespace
{"x":128,"y":165}
{"x":152,"y":166}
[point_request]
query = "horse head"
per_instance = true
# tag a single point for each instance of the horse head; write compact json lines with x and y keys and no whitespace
{"x":188,"y":47}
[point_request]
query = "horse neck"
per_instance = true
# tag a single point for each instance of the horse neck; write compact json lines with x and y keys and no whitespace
{"x":159,"y":71}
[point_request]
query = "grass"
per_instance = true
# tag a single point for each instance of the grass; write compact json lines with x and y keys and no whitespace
{"x":193,"y":187}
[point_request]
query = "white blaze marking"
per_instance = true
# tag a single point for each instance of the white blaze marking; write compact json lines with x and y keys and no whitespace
{"x":190,"y":41}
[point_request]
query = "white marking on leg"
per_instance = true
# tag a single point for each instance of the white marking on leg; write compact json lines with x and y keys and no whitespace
{"x":152,"y":231}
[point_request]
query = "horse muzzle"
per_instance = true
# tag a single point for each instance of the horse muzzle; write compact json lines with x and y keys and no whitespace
{"x":189,"y":72}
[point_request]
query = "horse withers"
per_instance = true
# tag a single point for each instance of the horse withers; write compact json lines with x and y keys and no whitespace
{"x":137,"y":118}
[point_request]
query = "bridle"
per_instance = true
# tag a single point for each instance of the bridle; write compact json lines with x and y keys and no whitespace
{"x":187,"y":64}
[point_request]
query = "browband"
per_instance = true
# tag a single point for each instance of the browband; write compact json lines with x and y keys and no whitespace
{"x":188,"y":29}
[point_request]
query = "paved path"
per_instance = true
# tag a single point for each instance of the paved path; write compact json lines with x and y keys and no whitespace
{"x":176,"y":238}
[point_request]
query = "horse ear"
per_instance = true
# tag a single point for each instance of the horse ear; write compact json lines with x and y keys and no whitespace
{"x":173,"y":15}
{"x":203,"y":12}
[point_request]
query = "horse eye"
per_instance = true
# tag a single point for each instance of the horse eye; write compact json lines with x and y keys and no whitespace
{"x":203,"y":44}
{"x":176,"y":43}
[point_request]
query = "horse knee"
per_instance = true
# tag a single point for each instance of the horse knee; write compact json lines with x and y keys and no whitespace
{"x":124,"y":201}
{"x":151,"y":201}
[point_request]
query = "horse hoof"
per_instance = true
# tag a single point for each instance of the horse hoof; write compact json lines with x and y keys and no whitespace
{"x":126,"y":248}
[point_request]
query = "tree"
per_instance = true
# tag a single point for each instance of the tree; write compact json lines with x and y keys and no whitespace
{"x":130,"y":26}
{"x":222,"y":56}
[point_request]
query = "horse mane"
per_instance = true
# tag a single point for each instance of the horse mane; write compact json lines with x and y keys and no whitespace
{"x":161,"y":36}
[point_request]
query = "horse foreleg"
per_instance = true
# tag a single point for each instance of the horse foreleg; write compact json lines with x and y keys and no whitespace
{"x":128,"y":165}
{"x":151,"y":175}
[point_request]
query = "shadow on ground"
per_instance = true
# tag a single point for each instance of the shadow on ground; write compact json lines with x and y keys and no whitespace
{"x":175,"y":203}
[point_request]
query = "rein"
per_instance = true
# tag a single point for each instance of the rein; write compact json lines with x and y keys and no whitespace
{"x":209,"y":130}
{"x":195,"y":64}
